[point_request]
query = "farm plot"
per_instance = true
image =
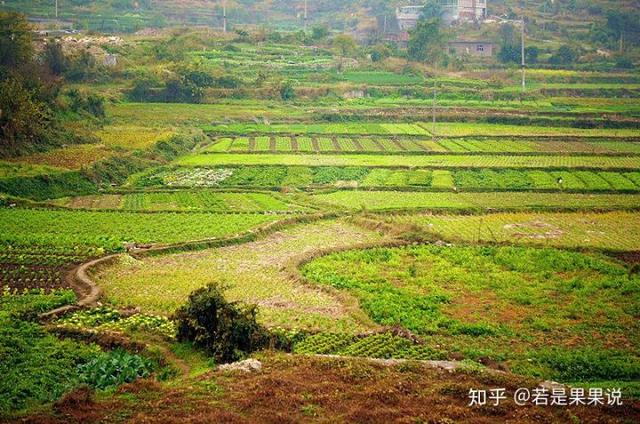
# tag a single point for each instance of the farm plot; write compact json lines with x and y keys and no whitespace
{"x":255,"y":273}
{"x":71,"y":157}
{"x":511,"y":179}
{"x":455,"y":129}
{"x":225,"y":145}
{"x":389,"y":200}
{"x":617,"y":146}
{"x":364,"y":128}
{"x":611,"y":230}
{"x":458,"y":179}
{"x":100,"y":232}
{"x":32,"y":267}
{"x":132,"y":137}
{"x":525,"y":307}
{"x":424,"y":161}
{"x":15,"y":170}
{"x":185,"y":201}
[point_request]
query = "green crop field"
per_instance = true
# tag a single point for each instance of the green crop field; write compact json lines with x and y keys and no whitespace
{"x":110,"y":230}
{"x":432,"y":161}
{"x":184,"y":201}
{"x":611,"y":230}
{"x":460,"y":297}
{"x":380,"y":200}
{"x":379,"y":144}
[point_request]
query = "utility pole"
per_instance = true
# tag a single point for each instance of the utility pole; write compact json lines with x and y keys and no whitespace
{"x":524,"y":64}
{"x":433,"y":109}
{"x":306,"y":14}
{"x":224,"y":16}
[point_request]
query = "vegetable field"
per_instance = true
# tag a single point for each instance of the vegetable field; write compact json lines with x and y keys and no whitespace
{"x":422,"y":161}
{"x":460,"y":297}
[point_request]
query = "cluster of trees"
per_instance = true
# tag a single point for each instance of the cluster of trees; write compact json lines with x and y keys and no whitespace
{"x":32,"y":102}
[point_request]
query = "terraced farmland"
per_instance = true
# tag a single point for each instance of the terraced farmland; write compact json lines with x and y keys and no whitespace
{"x":398,"y":144}
{"x":279,"y":195}
{"x":200,"y":201}
{"x":612,"y":230}
{"x":420,"y":161}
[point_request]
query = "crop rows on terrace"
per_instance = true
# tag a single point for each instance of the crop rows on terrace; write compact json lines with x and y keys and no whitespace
{"x":612,"y":230}
{"x":460,"y":179}
{"x":515,"y":160}
{"x":393,"y":200}
{"x":308,"y":144}
{"x":189,"y":201}
{"x":24,"y":267}
{"x":446,"y":129}
{"x":100,"y":232}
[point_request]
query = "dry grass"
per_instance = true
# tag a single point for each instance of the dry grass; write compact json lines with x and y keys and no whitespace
{"x":295,"y":389}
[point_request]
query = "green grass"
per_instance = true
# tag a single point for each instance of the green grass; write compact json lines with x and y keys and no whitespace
{"x":427,"y":161}
{"x":14,"y":170}
{"x":527,"y":307}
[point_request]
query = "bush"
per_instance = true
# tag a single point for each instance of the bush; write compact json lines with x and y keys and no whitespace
{"x":226,"y":330}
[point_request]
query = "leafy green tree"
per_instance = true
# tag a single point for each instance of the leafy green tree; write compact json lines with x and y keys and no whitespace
{"x":319,"y":33}
{"x":23,"y":118}
{"x":380,"y":52}
{"x":287,"y":92}
{"x":15,"y":40}
{"x":426,"y":41}
{"x":432,"y":10}
{"x":344,"y":44}
{"x":564,"y":56}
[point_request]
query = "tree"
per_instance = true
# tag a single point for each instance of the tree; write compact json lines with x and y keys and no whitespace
{"x":380,"y":52}
{"x":432,"y":10}
{"x":564,"y":56}
{"x":55,"y":59}
{"x":23,"y":119}
{"x":426,"y":40}
{"x":319,"y":33}
{"x":15,"y":40}
{"x":345,"y":44}
{"x":287,"y":92}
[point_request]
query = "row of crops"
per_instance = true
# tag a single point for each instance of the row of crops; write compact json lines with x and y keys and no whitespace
{"x":39,"y":246}
{"x":492,"y":201}
{"x":100,"y":232}
{"x":398,"y":145}
{"x":484,"y":160}
{"x":447,"y":129}
{"x":186,"y":201}
{"x":612,"y":230}
{"x":460,"y":179}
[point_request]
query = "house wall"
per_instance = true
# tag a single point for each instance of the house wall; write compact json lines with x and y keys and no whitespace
{"x":473,"y":49}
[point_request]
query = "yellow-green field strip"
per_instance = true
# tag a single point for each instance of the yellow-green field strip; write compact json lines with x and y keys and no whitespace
{"x":427,"y":161}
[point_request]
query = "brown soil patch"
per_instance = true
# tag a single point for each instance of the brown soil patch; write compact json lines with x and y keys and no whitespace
{"x":297,"y":389}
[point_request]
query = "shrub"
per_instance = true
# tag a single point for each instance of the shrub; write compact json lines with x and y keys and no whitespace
{"x":226,"y":330}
